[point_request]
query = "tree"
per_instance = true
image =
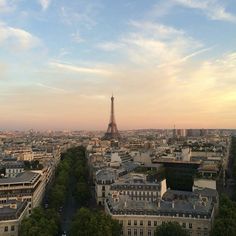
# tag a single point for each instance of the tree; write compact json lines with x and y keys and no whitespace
{"x":88,"y":223}
{"x":225,"y":223}
{"x":171,"y":229}
{"x":82,"y":193}
{"x":40,"y":223}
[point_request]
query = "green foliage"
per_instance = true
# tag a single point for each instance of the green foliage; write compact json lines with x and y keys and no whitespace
{"x":80,"y":171}
{"x":233,"y":153}
{"x":82,"y":193}
{"x":170,"y":229}
{"x":225,"y":223}
{"x":233,"y":156}
{"x":89,"y":223}
{"x":46,"y":222}
{"x":40,"y":223}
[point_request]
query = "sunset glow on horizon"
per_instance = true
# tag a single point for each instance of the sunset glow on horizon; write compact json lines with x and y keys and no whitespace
{"x":167,"y":62}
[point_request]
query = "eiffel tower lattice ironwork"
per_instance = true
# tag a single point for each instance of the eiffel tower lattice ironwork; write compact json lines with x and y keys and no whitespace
{"x":112,"y":131}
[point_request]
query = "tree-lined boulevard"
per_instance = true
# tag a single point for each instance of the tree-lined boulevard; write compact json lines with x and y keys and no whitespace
{"x":64,"y":210}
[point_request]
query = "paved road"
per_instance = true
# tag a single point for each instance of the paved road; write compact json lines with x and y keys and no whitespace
{"x":70,"y":207}
{"x":229,"y":181}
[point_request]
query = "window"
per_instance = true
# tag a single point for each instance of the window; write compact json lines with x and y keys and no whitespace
{"x":184,"y":225}
{"x":135,"y":222}
{"x":103,"y":194}
{"x":141,"y":222}
{"x":129,"y":222}
{"x":149,"y":223}
{"x":6,"y":229}
{"x":190,"y":225}
{"x":149,"y":232}
{"x":129,"y":232}
{"x":135,"y":232}
{"x":103,"y":188}
{"x":13,"y":228}
{"x":155,"y":223}
{"x":141,"y":232}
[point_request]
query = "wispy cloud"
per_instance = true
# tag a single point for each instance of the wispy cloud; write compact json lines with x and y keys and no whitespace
{"x":156,"y":29}
{"x":17,"y":38}
{"x":54,"y":89}
{"x":78,"y":15}
{"x":76,"y":37}
{"x":78,"y":69}
{"x":154,"y":44}
{"x":109,"y":46}
{"x":44,"y":4}
{"x":93,"y":96}
{"x":213,"y":9}
{"x":6,"y":6}
{"x":187,"y":57}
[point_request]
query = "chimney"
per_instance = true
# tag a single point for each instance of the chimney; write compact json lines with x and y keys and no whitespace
{"x":173,"y":204}
{"x":13,"y":206}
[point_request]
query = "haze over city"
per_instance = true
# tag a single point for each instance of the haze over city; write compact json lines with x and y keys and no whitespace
{"x":166,"y":62}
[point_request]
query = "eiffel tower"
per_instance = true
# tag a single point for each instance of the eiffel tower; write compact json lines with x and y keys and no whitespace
{"x":112,"y":131}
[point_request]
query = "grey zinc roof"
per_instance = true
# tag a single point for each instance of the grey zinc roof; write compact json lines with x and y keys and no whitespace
{"x":8,"y":213}
{"x":105,"y":174}
{"x":24,"y":177}
{"x":189,"y":205}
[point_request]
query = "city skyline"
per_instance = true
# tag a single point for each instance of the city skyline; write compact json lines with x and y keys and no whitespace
{"x":167,"y":62}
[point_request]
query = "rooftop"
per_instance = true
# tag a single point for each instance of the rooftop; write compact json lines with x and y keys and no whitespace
{"x":106,"y":174}
{"x":24,"y":177}
{"x":174,"y":203}
{"x":12,"y":209}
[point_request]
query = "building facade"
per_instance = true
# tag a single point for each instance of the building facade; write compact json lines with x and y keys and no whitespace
{"x":194,"y":211}
{"x":11,"y":214}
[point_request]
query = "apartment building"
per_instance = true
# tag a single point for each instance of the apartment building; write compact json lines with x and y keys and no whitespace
{"x":29,"y":186}
{"x":194,"y":211}
{"x":12,"y":212}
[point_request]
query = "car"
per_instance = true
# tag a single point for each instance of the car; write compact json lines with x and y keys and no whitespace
{"x":60,"y":209}
{"x":64,"y":233}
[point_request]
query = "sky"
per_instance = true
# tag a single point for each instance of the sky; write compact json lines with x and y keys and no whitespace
{"x":167,"y":62}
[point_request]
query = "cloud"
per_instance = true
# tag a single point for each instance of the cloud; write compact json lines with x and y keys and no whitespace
{"x":187,"y":57}
{"x":76,"y":37}
{"x":109,"y":46}
{"x":213,"y":9}
{"x":17,"y":38}
{"x":154,"y":44}
{"x":161,"y":30}
{"x":53,"y":89}
{"x":93,"y":96}
{"x":79,"y":14}
{"x":6,"y":6}
{"x":78,"y":69}
{"x":45,"y":4}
